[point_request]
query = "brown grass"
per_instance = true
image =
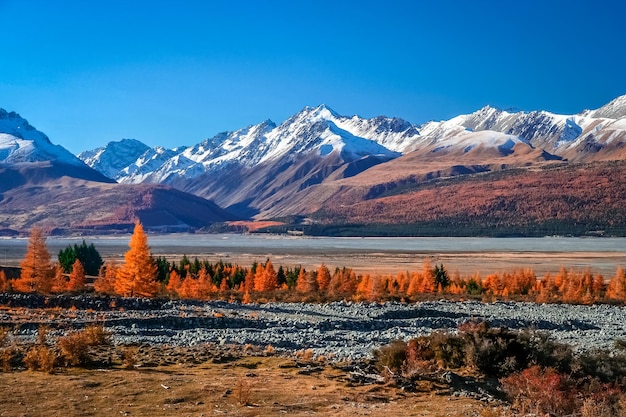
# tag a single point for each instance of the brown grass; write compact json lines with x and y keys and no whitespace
{"x":275,"y":387}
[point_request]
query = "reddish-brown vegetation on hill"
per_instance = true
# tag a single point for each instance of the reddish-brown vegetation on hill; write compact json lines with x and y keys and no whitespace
{"x":592,"y":195}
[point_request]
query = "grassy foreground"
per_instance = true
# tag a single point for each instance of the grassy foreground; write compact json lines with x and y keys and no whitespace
{"x":246,"y":386}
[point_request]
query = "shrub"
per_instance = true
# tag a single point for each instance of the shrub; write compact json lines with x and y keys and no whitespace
{"x":243,"y":389}
{"x":40,"y":358}
{"x":419,"y":356}
{"x":129,"y":357}
{"x":97,"y":335}
{"x":75,"y":349}
{"x":540,"y":391}
{"x":8,"y":356}
{"x":4,"y":335}
{"x":606,"y":365}
{"x":391,"y":357}
{"x":498,"y":351}
{"x":449,"y":350}
{"x":42,"y":334}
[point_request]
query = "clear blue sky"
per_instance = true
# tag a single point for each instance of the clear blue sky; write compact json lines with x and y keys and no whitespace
{"x":173,"y":73}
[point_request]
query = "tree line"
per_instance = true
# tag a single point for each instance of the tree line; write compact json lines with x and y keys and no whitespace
{"x":143,"y":275}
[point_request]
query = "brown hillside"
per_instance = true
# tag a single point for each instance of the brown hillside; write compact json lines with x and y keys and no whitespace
{"x":589,"y":195}
{"x":66,"y":204}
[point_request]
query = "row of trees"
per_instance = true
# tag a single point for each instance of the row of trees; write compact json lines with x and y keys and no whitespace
{"x":142,"y":275}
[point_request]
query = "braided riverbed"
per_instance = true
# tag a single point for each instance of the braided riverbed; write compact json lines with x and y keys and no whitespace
{"x":343,"y":330}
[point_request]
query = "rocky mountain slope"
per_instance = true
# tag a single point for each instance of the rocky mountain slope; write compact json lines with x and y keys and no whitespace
{"x":44,"y":185}
{"x":270,"y":170}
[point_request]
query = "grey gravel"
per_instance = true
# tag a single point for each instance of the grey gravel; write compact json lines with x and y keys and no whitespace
{"x":345,"y":330}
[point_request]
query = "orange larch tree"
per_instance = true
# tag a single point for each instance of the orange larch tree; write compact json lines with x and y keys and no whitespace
{"x":617,"y":286}
{"x":37,"y":271}
{"x":137,"y":276}
{"x":266,"y":277}
{"x":248,"y":282}
{"x":5,"y":285}
{"x":77,"y":277}
{"x":302,"y":285}
{"x":323,"y":277}
{"x":174,"y":283}
{"x":105,"y":283}
{"x":59,"y":281}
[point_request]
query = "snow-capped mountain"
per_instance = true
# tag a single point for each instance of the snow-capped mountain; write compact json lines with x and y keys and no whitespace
{"x":319,"y":130}
{"x":258,"y":165}
{"x":323,"y":131}
{"x":616,"y":109}
{"x":114,"y":157}
{"x":21,"y":142}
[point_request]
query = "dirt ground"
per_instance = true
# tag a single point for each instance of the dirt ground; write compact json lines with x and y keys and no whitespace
{"x":249,"y":386}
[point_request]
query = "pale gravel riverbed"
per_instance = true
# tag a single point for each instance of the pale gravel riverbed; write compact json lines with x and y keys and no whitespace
{"x":344,"y":330}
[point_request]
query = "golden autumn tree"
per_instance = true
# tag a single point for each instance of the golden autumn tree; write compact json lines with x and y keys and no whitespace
{"x":77,"y":277}
{"x":5,"y":284}
{"x":137,"y":276}
{"x":174,"y":283}
{"x":302,"y":282}
{"x":37,"y":271}
{"x":617,"y":286}
{"x":266,"y":278}
{"x":59,"y":280}
{"x":105,"y":283}
{"x":323,"y":277}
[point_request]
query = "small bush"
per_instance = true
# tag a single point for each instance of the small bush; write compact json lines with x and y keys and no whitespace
{"x":40,"y":358}
{"x":305,"y":355}
{"x":449,"y":350}
{"x":8,"y":356}
{"x":606,"y":365}
{"x":391,"y":357}
{"x":129,"y":357}
{"x":243,"y":388}
{"x":4,"y":335}
{"x":97,"y":336}
{"x":419,"y":356}
{"x":498,"y":351}
{"x":42,"y":334}
{"x":75,"y":349}
{"x":541,"y":391}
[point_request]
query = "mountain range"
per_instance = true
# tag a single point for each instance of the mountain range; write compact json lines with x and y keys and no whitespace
{"x":332,"y":168}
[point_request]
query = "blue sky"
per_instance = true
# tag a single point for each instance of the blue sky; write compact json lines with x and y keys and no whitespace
{"x":173,"y":73}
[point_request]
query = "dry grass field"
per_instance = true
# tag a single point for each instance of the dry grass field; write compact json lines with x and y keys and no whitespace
{"x":248,"y":386}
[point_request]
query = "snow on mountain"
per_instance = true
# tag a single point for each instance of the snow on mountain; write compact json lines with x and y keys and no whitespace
{"x":317,"y":129}
{"x":616,"y":109}
{"x":322,"y":131}
{"x":115,"y":157}
{"x":539,"y":128}
{"x":21,"y":142}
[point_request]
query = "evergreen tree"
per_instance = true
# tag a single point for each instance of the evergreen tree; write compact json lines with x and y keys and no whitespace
{"x":88,"y":256}
{"x":441,"y":276}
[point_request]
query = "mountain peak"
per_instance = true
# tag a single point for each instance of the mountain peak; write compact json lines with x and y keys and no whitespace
{"x":13,"y":124}
{"x":321,"y":111}
{"x":21,"y":142}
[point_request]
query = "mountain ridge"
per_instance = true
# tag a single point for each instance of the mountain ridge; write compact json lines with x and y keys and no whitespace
{"x":318,"y":161}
